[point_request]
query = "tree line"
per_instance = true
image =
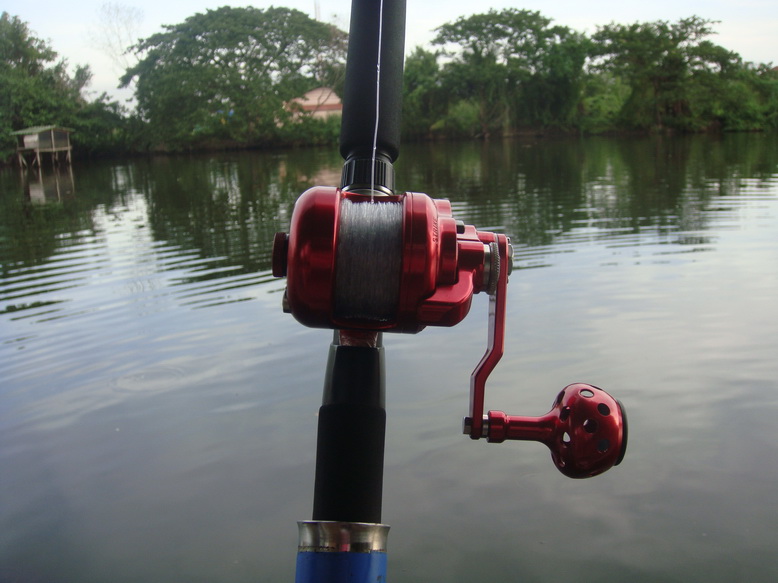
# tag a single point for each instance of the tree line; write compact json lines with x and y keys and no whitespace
{"x":226,"y":77}
{"x":511,"y":71}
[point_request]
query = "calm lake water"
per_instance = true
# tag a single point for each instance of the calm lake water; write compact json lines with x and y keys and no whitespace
{"x":158,"y":410}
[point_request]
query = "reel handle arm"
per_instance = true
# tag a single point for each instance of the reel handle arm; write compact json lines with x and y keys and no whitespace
{"x":586,"y":430}
{"x":502,"y":251}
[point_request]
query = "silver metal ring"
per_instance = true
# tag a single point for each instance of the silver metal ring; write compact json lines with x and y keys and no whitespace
{"x":337,"y":537}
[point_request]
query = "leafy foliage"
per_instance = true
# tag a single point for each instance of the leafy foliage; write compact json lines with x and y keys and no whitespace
{"x":226,"y":74}
{"x":36,"y":89}
{"x":663,"y":63}
{"x":516,"y":66}
{"x":423,"y":94}
{"x":512,"y":70}
{"x":225,"y":78}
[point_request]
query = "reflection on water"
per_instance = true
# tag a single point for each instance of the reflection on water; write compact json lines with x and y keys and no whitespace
{"x":187,"y":222}
{"x":47,"y":184}
{"x":157,"y":410}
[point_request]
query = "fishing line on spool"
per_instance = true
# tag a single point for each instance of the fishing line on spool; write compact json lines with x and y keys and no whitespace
{"x":369,"y":260}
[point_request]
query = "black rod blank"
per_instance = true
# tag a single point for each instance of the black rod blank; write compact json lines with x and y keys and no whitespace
{"x":350,"y":443}
{"x":358,"y":126}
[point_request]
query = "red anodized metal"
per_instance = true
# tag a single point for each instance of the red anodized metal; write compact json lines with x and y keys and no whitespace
{"x":586,"y":430}
{"x":495,"y":341}
{"x":306,"y":255}
{"x":443,"y":264}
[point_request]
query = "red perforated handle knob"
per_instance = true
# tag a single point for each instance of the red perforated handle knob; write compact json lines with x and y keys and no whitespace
{"x":586,"y":430}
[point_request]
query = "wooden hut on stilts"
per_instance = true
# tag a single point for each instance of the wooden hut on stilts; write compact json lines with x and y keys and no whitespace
{"x":34,"y":141}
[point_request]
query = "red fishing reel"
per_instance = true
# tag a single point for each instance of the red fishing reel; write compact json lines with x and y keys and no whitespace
{"x":384,"y":263}
{"x":369,"y":262}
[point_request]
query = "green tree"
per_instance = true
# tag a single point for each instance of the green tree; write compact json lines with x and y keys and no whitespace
{"x":225,"y":75}
{"x":552,"y":93}
{"x":736,"y":96}
{"x":424,"y":100}
{"x":516,"y":66}
{"x":103,"y":127}
{"x":677,"y":78}
{"x":35,"y":87}
{"x":604,"y":95}
{"x":764,"y":82}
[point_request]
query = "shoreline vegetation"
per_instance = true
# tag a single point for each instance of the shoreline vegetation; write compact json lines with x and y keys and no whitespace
{"x":217,"y":81}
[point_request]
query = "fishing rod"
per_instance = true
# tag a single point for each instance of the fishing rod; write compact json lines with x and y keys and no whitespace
{"x":363,"y":259}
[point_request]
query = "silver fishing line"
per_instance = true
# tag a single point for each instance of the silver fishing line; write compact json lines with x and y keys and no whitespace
{"x":377,"y":98}
{"x":368,"y":266}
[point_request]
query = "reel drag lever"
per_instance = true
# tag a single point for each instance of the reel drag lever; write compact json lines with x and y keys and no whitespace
{"x":586,"y":429}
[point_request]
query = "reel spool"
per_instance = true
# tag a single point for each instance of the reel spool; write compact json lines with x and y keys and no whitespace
{"x":372,"y":262}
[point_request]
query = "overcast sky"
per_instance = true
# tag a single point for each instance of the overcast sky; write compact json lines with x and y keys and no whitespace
{"x":749,"y":27}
